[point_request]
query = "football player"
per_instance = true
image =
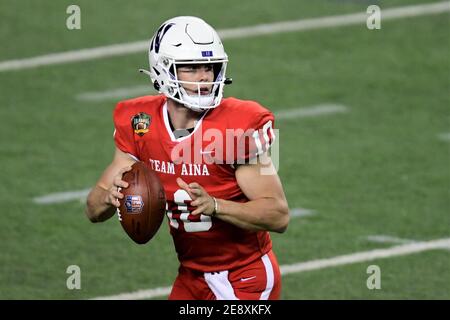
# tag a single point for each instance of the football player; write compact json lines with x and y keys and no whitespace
{"x":209,"y":153}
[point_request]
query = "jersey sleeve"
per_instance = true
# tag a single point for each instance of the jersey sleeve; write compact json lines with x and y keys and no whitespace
{"x":123,"y":131}
{"x":257,"y":138}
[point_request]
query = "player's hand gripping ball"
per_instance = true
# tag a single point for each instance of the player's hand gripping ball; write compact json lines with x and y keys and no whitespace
{"x":142,"y":208}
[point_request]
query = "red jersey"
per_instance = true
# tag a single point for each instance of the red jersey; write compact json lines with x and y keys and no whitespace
{"x":232,"y":133}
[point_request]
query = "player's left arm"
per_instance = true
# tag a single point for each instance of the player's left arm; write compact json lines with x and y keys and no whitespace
{"x":267,"y":208}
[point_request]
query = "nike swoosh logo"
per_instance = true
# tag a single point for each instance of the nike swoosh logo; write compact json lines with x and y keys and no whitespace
{"x":249,"y":278}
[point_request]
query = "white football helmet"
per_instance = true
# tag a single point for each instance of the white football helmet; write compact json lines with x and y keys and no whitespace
{"x":181,"y":41}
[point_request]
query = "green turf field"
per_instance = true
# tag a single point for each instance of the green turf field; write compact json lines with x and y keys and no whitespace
{"x":380,"y":168}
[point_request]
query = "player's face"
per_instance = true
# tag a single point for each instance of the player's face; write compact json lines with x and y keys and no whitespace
{"x":196,"y":73}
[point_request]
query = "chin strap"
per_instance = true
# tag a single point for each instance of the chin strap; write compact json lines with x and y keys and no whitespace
{"x":145,"y":71}
{"x":201,"y":101}
{"x":155,"y":84}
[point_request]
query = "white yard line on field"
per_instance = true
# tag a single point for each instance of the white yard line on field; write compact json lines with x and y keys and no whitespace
{"x":314,"y":111}
{"x":301,"y":212}
{"x":381,"y":238}
{"x":444,"y":136}
{"x":139,"y":295}
{"x":400,"y":250}
{"x":60,"y":197}
{"x":235,"y":33}
{"x":404,"y":249}
{"x":114,"y":94}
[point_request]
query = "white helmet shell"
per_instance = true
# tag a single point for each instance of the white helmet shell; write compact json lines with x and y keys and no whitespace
{"x":187,"y":40}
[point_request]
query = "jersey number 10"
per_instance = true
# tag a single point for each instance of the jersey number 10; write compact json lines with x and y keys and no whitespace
{"x":180,"y":196}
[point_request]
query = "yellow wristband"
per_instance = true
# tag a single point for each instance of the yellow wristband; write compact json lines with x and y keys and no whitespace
{"x":215,"y":207}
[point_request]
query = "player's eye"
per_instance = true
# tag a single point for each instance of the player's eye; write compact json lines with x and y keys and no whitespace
{"x":186,"y":68}
{"x":196,"y":67}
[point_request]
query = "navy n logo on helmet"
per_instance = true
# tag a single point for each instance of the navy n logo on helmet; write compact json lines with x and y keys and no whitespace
{"x":159,"y":36}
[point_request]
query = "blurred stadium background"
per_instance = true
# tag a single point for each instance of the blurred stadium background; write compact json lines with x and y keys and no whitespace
{"x":368,"y":171}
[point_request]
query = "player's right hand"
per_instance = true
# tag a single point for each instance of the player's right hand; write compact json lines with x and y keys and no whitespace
{"x":114,"y":194}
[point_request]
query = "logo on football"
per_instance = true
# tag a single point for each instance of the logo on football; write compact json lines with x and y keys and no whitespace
{"x":134,"y":204}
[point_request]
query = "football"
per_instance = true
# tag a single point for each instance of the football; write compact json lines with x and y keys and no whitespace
{"x":142,"y":208}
